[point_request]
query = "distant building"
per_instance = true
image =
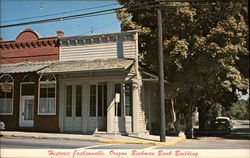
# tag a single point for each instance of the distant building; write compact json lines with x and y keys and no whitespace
{"x":76,"y":84}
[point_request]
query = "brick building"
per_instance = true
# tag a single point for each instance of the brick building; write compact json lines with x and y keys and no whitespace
{"x":22,"y":90}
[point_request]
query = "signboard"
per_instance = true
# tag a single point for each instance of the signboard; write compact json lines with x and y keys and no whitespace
{"x":117,"y":97}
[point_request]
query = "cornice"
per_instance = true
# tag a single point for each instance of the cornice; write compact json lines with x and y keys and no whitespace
{"x":29,"y":44}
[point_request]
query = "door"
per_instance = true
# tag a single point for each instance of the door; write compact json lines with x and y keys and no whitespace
{"x":73,"y":108}
{"x":27,"y":111}
{"x":98,"y":107}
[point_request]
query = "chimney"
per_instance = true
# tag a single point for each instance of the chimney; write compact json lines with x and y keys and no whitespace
{"x":1,"y":39}
{"x":60,"y":33}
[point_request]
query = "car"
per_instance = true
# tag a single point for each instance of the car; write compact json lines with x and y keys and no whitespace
{"x":2,"y":126}
{"x":222,"y":125}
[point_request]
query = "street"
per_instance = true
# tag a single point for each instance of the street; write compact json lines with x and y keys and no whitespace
{"x":199,"y":143}
{"x":238,"y":139}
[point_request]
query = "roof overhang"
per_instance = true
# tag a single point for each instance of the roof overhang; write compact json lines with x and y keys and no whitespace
{"x":24,"y":67}
{"x":86,"y":66}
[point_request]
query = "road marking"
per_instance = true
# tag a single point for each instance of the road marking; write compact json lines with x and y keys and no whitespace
{"x":88,"y":147}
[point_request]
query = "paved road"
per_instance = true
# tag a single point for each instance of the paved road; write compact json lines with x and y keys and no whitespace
{"x":238,"y":139}
{"x":200,"y":143}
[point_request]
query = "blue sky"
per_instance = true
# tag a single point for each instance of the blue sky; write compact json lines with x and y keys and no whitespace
{"x":22,"y":9}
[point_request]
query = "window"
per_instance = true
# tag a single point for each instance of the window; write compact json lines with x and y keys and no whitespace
{"x":78,"y":96}
{"x":118,"y":90}
{"x":92,"y":100}
{"x":6,"y":94}
{"x":47,"y":96}
{"x":128,"y":99}
{"x":69,"y":101}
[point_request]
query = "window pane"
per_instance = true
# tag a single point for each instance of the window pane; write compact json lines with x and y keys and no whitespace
{"x":100,"y":101}
{"x":47,"y":105}
{"x":47,"y":102}
{"x":28,"y":89}
{"x":128,"y":99}
{"x":5,"y":105}
{"x":118,"y":90}
{"x":92,"y":100}
{"x":29,"y":109}
{"x":78,"y":101}
{"x":6,"y":99}
{"x":105,"y":100}
{"x":69,"y":101}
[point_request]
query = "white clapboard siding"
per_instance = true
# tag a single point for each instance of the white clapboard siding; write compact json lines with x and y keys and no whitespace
{"x":125,"y":49}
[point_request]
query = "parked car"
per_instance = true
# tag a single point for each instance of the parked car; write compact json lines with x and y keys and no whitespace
{"x":222,"y":124}
{"x":2,"y":126}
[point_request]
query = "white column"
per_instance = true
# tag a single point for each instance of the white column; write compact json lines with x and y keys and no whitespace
{"x":110,"y":108}
{"x":135,"y":107}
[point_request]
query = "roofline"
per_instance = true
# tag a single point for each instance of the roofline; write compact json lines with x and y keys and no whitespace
{"x":98,"y":35}
{"x":83,"y":71}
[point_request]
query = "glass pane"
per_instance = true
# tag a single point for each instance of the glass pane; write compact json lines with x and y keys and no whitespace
{"x":69,"y":101}
{"x":78,"y":101}
{"x":5,"y":105}
{"x":128,"y":99}
{"x":92,"y":100}
{"x":118,"y":90}
{"x":100,"y":101}
{"x":47,"y":105}
{"x":28,"y":89}
{"x":28,"y":109}
{"x":105,"y":100}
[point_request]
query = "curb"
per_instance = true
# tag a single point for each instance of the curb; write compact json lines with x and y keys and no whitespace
{"x":44,"y":137}
{"x":181,"y":138}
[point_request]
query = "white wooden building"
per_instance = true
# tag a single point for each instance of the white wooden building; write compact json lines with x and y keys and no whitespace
{"x":91,"y":71}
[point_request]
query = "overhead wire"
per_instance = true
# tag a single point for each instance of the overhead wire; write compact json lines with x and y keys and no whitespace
{"x":105,"y":12}
{"x":34,"y":17}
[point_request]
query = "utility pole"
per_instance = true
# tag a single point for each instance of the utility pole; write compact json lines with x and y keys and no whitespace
{"x":161,"y":77}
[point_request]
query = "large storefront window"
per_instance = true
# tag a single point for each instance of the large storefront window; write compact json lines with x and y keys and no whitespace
{"x":47,"y":96}
{"x":6,"y":94}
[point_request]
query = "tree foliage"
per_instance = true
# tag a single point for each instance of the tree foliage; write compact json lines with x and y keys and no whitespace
{"x":239,"y":110}
{"x":206,"y":49}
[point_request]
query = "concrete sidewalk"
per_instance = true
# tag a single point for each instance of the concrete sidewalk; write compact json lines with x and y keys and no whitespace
{"x":101,"y":137}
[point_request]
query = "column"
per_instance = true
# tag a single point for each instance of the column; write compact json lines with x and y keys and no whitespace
{"x":110,"y":107}
{"x":135,"y":116}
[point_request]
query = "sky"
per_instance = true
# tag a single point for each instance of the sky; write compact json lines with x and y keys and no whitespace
{"x":17,"y":11}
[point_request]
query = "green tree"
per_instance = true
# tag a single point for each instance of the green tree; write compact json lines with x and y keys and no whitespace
{"x":239,"y":110}
{"x":206,"y":49}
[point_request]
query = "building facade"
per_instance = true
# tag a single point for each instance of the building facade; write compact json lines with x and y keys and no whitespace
{"x":92,"y":84}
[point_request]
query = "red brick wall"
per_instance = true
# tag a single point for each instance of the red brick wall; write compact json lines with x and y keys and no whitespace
{"x":42,"y":123}
{"x":28,"y":46}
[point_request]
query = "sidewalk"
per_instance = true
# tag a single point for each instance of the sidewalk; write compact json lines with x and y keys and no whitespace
{"x":101,"y":137}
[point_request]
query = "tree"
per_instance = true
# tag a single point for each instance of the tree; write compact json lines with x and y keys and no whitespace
{"x":239,"y":110}
{"x":206,"y":49}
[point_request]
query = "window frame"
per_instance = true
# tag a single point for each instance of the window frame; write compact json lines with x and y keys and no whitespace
{"x":39,"y":86}
{"x":13,"y":88}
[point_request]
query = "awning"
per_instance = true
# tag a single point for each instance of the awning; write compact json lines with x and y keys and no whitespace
{"x":99,"y":65}
{"x":24,"y":67}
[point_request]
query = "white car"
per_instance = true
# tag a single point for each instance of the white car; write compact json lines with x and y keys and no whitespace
{"x":2,"y":126}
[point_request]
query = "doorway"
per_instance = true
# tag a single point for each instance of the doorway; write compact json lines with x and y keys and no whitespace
{"x":73,"y":108}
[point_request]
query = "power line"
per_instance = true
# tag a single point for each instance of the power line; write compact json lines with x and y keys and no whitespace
{"x":96,"y":13}
{"x":109,"y":11}
{"x":34,"y":17}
